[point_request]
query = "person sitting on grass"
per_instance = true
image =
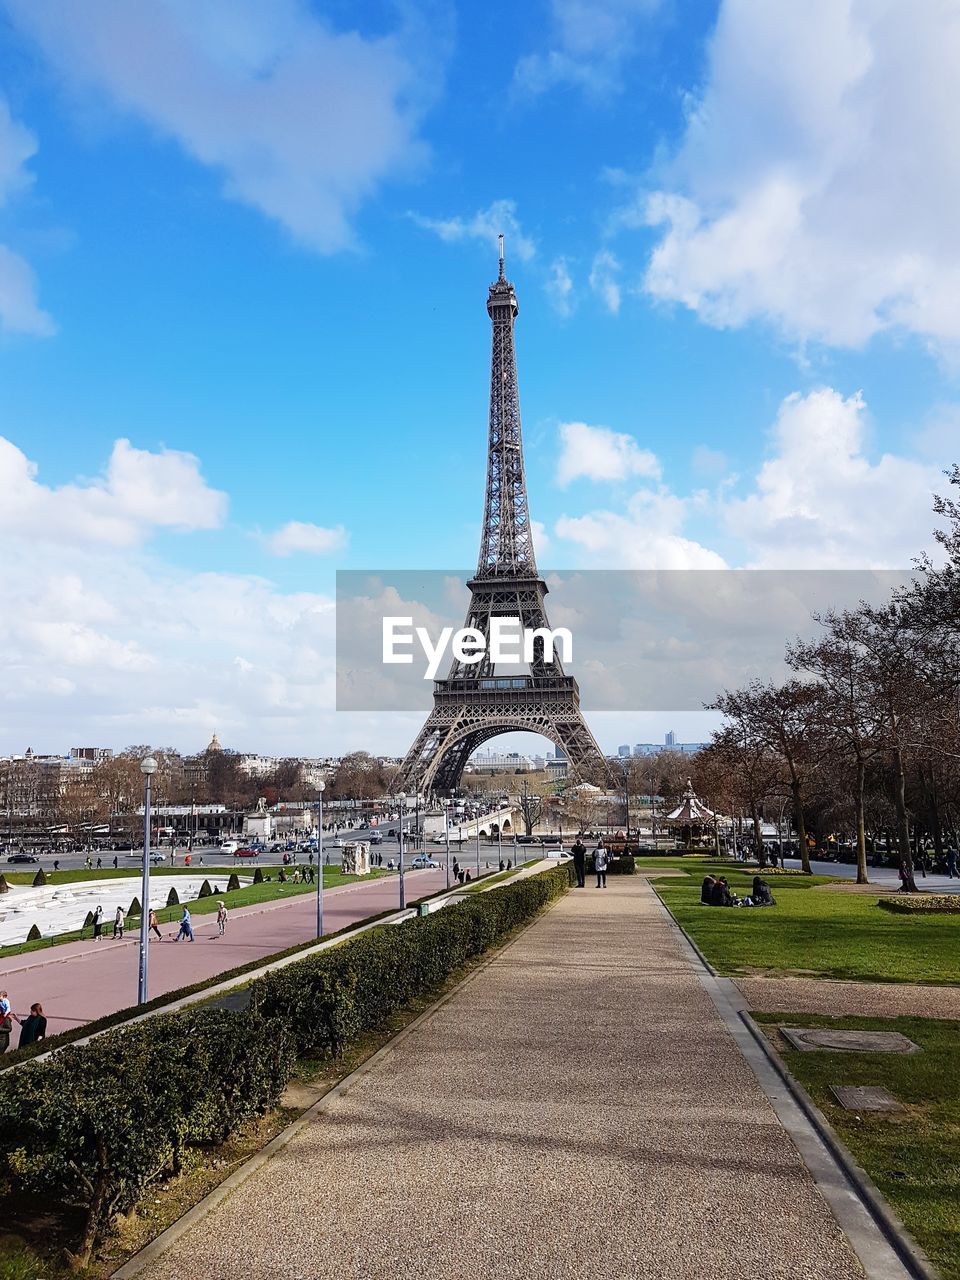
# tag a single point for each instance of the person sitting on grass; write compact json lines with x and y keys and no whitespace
{"x":760,"y":894}
{"x":706,"y":889}
{"x":720,"y":895}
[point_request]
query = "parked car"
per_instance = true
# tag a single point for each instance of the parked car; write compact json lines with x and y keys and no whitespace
{"x":421,"y":861}
{"x":22,"y":857}
{"x":248,"y":851}
{"x":229,"y":846}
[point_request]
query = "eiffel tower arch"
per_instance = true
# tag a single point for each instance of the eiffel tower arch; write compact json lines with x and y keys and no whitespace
{"x":475,"y":703}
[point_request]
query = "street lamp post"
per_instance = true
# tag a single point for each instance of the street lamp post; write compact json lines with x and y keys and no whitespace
{"x":446,"y":835}
{"x":478,"y":848}
{"x":402,"y":797}
{"x":148,"y":768}
{"x":320,"y":786}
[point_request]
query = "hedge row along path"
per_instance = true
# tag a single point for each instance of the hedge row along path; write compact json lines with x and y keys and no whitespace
{"x":576,"y":1109}
{"x":82,"y":981}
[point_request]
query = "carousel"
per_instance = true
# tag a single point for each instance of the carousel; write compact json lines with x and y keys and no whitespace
{"x":693,"y":824}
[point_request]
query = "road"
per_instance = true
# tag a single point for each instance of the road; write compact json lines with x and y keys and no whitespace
{"x":78,"y":982}
{"x":886,"y":876}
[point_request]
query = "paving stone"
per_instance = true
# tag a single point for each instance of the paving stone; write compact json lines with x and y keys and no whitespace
{"x":866,"y":1097}
{"x":811,"y":1039}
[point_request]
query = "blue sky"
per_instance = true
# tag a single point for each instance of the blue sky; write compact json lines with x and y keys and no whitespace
{"x":259,"y":235}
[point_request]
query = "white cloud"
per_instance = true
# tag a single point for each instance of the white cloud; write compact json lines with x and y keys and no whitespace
{"x":296,"y":535}
{"x":138,"y":492}
{"x":646,"y":535}
{"x":589,"y":43}
{"x":597,"y":453}
{"x":707,"y":461}
{"x":20,"y":311}
{"x":485,"y":225}
{"x":817,"y":183}
{"x":603,"y":280}
{"x":820,"y":502}
{"x":303,"y":122}
{"x":560,"y":287}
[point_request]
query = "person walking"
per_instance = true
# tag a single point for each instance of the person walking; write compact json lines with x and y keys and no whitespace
{"x":33,"y":1028}
{"x":56,"y":864}
{"x":97,"y":923}
{"x":600,"y":865}
{"x":99,"y":863}
{"x":118,"y":923}
{"x":153,"y":925}
{"x":221,"y":918}
{"x":186,"y":926}
{"x":579,"y":852}
{"x":951,"y":861}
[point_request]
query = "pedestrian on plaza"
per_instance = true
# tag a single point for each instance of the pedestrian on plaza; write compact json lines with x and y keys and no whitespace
{"x":221,"y":918}
{"x":7,"y":1017}
{"x":118,"y":923}
{"x":461,"y":876}
{"x":600,"y":865}
{"x":502,"y":865}
{"x":97,"y":923}
{"x":186,"y":927}
{"x":153,"y":925}
{"x":456,"y":868}
{"x":951,"y":861}
{"x":311,"y":857}
{"x":32,"y":1028}
{"x":579,"y":852}
{"x":116,"y":862}
{"x":56,"y":864}
{"x":99,"y":863}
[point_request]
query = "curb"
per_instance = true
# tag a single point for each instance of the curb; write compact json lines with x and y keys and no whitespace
{"x":159,"y":1246}
{"x":886,"y":1217}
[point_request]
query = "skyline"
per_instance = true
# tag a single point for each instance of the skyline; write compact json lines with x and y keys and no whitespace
{"x":244,"y":339}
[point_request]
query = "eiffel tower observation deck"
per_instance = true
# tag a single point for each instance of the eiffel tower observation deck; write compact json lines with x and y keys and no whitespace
{"x":475,"y":702}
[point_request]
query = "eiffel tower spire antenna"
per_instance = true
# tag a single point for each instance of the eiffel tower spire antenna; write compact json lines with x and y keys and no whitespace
{"x":476,"y":703}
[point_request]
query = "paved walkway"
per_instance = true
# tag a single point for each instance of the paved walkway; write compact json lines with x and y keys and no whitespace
{"x":576,"y":1110}
{"x":78,"y":982}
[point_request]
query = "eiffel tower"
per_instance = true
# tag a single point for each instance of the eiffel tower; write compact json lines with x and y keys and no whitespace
{"x":474,"y":704}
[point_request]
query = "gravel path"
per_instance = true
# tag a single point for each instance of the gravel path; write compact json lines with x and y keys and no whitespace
{"x":637,"y":1145}
{"x":871,"y":999}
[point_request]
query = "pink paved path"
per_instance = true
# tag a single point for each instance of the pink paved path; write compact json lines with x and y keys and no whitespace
{"x":80,"y":981}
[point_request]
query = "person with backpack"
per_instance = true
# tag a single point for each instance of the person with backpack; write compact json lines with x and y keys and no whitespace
{"x":600,"y":865}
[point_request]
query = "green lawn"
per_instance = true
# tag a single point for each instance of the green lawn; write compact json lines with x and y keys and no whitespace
{"x":914,"y":1155}
{"x":268,"y":891}
{"x":831,"y":935}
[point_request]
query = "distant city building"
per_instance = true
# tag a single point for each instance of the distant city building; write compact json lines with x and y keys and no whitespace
{"x":670,"y":739}
{"x":654,"y":748}
{"x":624,"y":751}
{"x":497,"y":762}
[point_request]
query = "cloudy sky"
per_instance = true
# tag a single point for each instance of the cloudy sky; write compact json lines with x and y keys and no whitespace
{"x":244,"y":254}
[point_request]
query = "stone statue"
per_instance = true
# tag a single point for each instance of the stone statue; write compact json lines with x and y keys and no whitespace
{"x":356,"y":859}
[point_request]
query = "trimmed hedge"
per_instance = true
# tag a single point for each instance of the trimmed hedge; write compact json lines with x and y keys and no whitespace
{"x":92,"y":1126}
{"x":623,"y":865}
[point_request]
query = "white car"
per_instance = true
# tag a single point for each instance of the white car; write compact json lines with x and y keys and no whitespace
{"x":421,"y":861}
{"x":229,"y":846}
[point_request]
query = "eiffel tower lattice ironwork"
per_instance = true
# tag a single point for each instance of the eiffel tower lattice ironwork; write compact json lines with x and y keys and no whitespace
{"x":474,"y":703}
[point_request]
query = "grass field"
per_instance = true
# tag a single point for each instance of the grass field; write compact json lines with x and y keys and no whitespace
{"x":813,"y":931}
{"x":249,"y":895}
{"x":913,"y":1155}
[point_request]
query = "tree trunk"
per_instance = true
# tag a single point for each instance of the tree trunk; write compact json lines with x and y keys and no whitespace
{"x":758,"y":836}
{"x":861,"y":825}
{"x":801,"y":825}
{"x":903,"y":825}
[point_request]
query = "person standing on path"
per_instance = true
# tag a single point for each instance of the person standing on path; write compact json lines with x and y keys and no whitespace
{"x":33,"y":1028}
{"x":7,"y":1017}
{"x":186,"y":927}
{"x":951,"y":862}
{"x":153,"y":925}
{"x":97,"y":923}
{"x":600,"y":865}
{"x":116,"y":862}
{"x":118,"y":923}
{"x":221,"y":918}
{"x":579,"y":852}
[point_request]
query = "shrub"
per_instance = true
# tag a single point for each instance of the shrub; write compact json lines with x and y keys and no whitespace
{"x":34,"y":935}
{"x":205,"y":890}
{"x":922,"y":903}
{"x":87,"y":921}
{"x":257,"y":877}
{"x":4,"y":887}
{"x":39,"y":879}
{"x":173,"y":898}
{"x":234,"y":881}
{"x":134,"y":907}
{"x":623,"y":864}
